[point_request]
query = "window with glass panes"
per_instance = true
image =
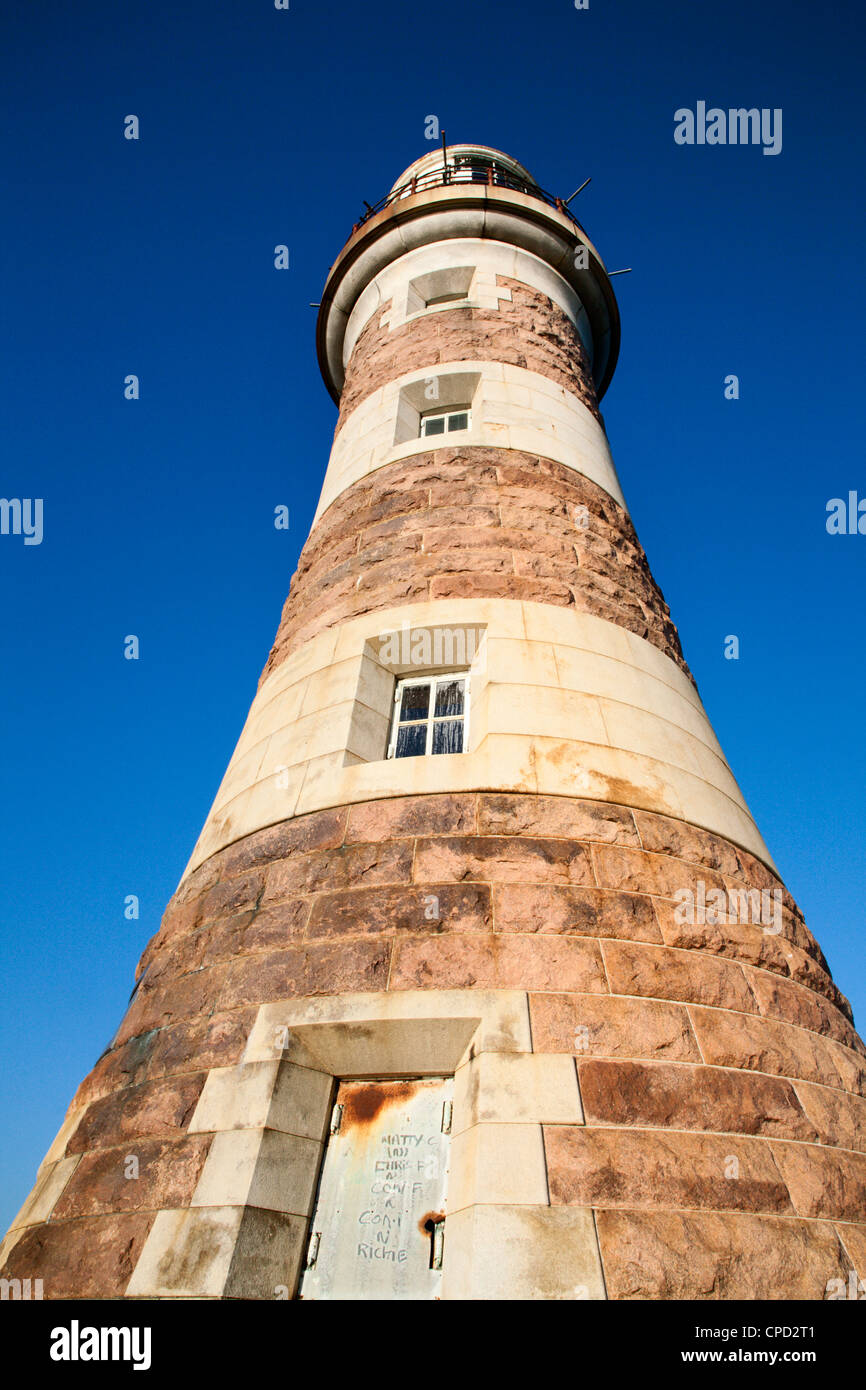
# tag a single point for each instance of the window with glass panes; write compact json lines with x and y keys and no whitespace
{"x":445,"y":424}
{"x":430,"y":716}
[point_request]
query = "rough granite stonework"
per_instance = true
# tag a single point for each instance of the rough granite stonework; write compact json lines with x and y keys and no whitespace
{"x":91,"y":1257}
{"x":528,"y":330}
{"x":473,"y":523}
{"x":693,"y":1052}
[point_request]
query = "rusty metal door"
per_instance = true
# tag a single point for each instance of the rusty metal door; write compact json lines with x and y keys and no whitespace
{"x":378,"y":1225}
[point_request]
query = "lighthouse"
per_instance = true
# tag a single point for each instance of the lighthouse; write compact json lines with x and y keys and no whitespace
{"x":480,"y":982}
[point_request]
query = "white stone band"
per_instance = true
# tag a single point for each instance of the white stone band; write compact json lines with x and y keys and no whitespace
{"x":488,"y":259}
{"x":563,"y":703}
{"x":512,"y":408}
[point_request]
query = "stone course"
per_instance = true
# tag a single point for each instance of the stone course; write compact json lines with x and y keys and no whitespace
{"x":473,"y":522}
{"x":719,"y":1049}
{"x":528,"y":330}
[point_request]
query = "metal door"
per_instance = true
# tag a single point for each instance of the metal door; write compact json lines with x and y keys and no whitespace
{"x":378,"y":1225}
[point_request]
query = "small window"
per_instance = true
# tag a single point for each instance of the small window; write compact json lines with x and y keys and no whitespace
{"x":430,"y":716}
{"x":449,"y":298}
{"x":449,"y":285}
{"x":444,"y":396}
{"x":445,"y":424}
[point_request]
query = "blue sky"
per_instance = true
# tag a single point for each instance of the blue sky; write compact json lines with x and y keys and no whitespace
{"x":155,"y":257}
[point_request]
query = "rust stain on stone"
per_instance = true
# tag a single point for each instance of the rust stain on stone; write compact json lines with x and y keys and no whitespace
{"x":429,"y":1220}
{"x":623,"y":792}
{"x":365,"y":1102}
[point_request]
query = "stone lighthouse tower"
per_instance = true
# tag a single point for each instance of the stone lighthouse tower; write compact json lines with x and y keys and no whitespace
{"x":481,"y":982}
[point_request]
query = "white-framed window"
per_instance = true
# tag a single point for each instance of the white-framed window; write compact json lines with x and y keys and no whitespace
{"x":449,"y":285}
{"x":450,"y":297}
{"x":431,"y":715}
{"x":446,"y":423}
{"x":425,"y":406}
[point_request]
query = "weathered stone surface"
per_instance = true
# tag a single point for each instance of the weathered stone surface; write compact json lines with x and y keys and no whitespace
{"x":504,"y":585}
{"x":580,"y":911}
{"x":193,"y":886}
{"x":180,"y":916}
{"x":750,"y":943}
{"x":409,"y":816}
{"x":673,"y":1255}
{"x":796,"y":1004}
{"x":346,"y":966}
{"x":807,"y":970}
{"x":849,"y":1066}
{"x":660,"y":973}
{"x":757,"y":875}
{"x":497,"y":962}
{"x":230,"y":895}
{"x":303,"y":835}
{"x":528,"y":330}
{"x":267,"y":1254}
{"x":838,"y":1118}
{"x":853,"y":1239}
{"x":742,"y":941}
{"x":633,"y":870}
{"x":119,"y":1066}
{"x":613,"y":1168}
{"x":596,"y":1026}
{"x":823,"y":1182}
{"x":663,"y":835}
{"x":453,"y":524}
{"x":212,"y":1042}
{"x":167,"y":1173}
{"x":89,"y":1258}
{"x":154,"y":1109}
{"x":664,"y":1096}
{"x":183,"y":954}
{"x":501,"y":860}
{"x":761,"y":1044}
{"x":186,"y":997}
{"x":279,"y":924}
{"x":520,"y":1253}
{"x":216,"y":1041}
{"x":694,"y":1043}
{"x":548,"y":816}
{"x":750,"y":905}
{"x":348,"y":865}
{"x":457,"y":907}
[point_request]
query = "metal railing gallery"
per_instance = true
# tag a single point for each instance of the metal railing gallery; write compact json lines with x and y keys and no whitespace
{"x":493,"y":176}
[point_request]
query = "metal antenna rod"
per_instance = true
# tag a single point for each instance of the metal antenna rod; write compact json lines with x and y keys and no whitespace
{"x":578,"y":190}
{"x":627,"y":271}
{"x":444,"y":156}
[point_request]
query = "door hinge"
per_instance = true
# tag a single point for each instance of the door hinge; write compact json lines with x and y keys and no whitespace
{"x":447,"y":1111}
{"x":438,"y":1245}
{"x":336,"y":1119}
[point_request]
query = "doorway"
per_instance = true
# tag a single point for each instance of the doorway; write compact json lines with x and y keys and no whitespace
{"x":378,"y":1224}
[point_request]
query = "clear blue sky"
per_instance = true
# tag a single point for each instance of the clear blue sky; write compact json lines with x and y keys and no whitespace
{"x":155,"y":257}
